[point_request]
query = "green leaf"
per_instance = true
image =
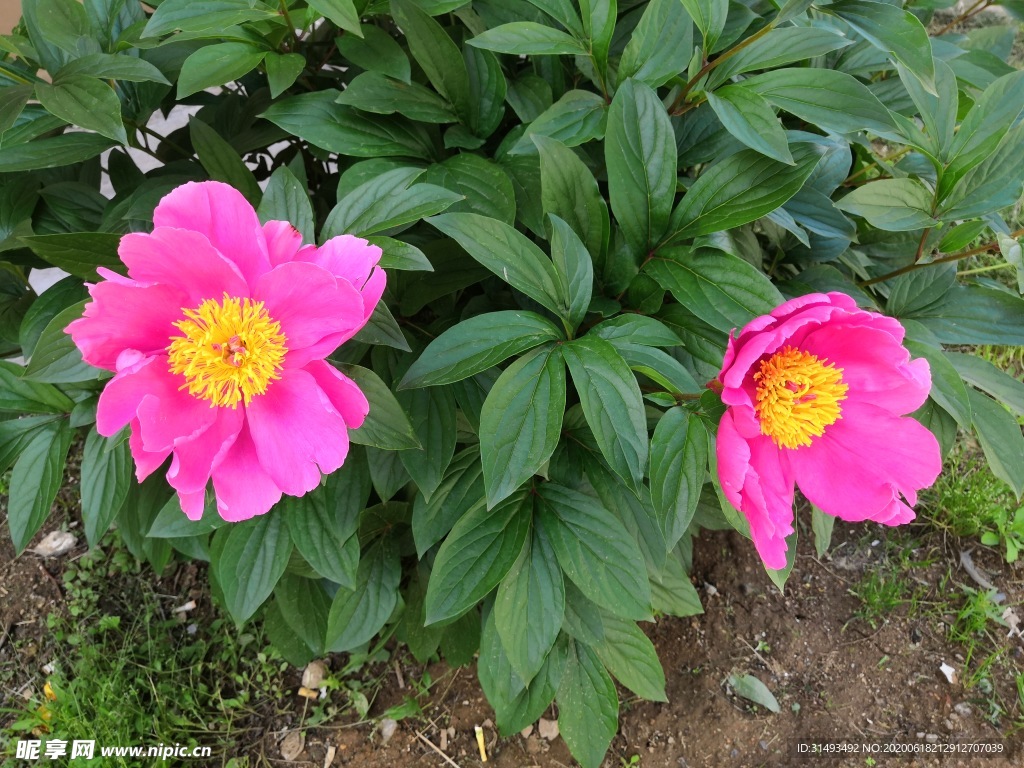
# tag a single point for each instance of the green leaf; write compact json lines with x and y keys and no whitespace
{"x":433,"y":421}
{"x":377,"y":51}
{"x":35,"y":480}
{"x":948,"y":388}
{"x":516,"y":705}
{"x":830,"y":99}
{"x":640,"y":151}
{"x":574,"y":119}
{"x":752,"y":689}
{"x":387,"y":425}
{"x":821,"y":525}
{"x":723,"y":290}
{"x":52,"y":152}
{"x":530,"y":605}
{"x":476,"y":555}
{"x":283,"y":69}
{"x":598,"y":27}
{"x":285,"y":199}
{"x":342,"y":12}
{"x":460,"y":491}
{"x":660,"y":46}
{"x":304,"y":606}
{"x":399,"y":255}
{"x":318,"y":119}
{"x":221,"y":160}
{"x":60,"y":23}
{"x":254,"y":557}
{"x":20,"y":396}
{"x":171,"y":523}
{"x":12,"y":100}
{"x":569,"y":191}
{"x":612,"y":403}
{"x":971,"y":314}
{"x":739,"y":189}
{"x":894,"y":30}
{"x":16,"y":434}
{"x":376,"y":92}
{"x":528,"y":38}
{"x":86,"y":102}
{"x":636,"y":329}
{"x":750,"y":119}
{"x":202,"y":16}
{"x":434,"y":50}
{"x":891,"y":204}
{"x":382,"y":328}
{"x":588,"y":706}
{"x":323,"y":523}
{"x":509,"y":255}
{"x":595,"y":551}
{"x":671,"y":590}
{"x":679,"y":460}
{"x":477,"y":344}
{"x":357,"y":615}
{"x":1001,"y":440}
{"x":56,"y":359}
{"x":78,"y":252}
{"x":710,"y":17}
{"x":216,"y":65}
{"x":487,"y":89}
{"x":631,"y":657}
{"x":783,"y":45}
{"x":109,"y":66}
{"x":485,"y":185}
{"x":521,"y":421}
{"x":386,"y":202}
{"x":106,"y":480}
{"x":574,"y":267}
{"x":985,"y":376}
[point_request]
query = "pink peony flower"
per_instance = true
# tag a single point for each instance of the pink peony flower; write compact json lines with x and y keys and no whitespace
{"x":816,"y":394}
{"x":218,"y":337}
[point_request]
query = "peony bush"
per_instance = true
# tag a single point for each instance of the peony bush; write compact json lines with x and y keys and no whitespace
{"x":456,"y":321}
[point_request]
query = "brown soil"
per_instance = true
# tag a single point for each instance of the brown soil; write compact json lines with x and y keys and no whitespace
{"x":835,"y":675}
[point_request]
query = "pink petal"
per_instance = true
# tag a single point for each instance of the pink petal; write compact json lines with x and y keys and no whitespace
{"x":220,"y":212}
{"x":863,"y":462}
{"x":149,"y":392}
{"x":283,"y":241}
{"x":194,"y":459}
{"x":343,"y":393}
{"x":876,"y":366}
{"x":297,"y":432}
{"x":757,"y":480}
{"x":355,"y":260}
{"x":183,"y":259}
{"x":146,"y":462}
{"x":316,"y":311}
{"x":126,"y":316}
{"x":243,"y":487}
{"x":193,"y":504}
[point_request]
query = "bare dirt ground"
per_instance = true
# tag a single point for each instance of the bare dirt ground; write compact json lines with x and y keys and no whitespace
{"x":837,"y":674}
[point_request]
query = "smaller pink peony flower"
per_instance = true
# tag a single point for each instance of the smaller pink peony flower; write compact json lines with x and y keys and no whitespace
{"x":218,"y":337}
{"x":816,"y":394}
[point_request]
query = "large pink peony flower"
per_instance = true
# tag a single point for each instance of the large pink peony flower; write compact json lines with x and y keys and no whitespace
{"x":218,"y":338}
{"x":817,"y":393}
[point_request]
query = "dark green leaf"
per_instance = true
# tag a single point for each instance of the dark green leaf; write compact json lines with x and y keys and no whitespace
{"x":433,"y":421}
{"x":752,"y":689}
{"x":630,"y":656}
{"x":285,"y":199}
{"x":35,"y":480}
{"x":948,"y":388}
{"x":461,"y":490}
{"x":283,"y":69}
{"x":56,"y":359}
{"x":640,"y":152}
{"x":528,"y":38}
{"x":78,"y":252}
{"x":253,"y":559}
{"x":574,"y":267}
{"x":679,"y":462}
{"x":476,"y":555}
{"x":22,"y":396}
{"x":661,"y":44}
{"x":106,"y":480}
{"x":529,"y":607}
{"x":569,"y":190}
{"x":975,"y":315}
{"x":342,"y":12}
{"x":376,"y":92}
{"x":891,"y":204}
{"x":574,"y":119}
{"x":387,"y":425}
{"x":750,"y":119}
{"x":202,"y":15}
{"x":386,"y":202}
{"x":612,"y":403}
{"x":304,"y":606}
{"x":1001,"y":439}
{"x":485,"y":185}
{"x":217,"y":64}
{"x":109,"y":66}
{"x":221,"y":160}
{"x":985,"y":376}
{"x":477,"y":344}
{"x":521,"y":421}
{"x":377,"y":51}
{"x":357,"y":615}
{"x":52,"y":152}
{"x":595,"y":551}
{"x":588,"y":706}
{"x":783,"y":45}
{"x":399,"y":255}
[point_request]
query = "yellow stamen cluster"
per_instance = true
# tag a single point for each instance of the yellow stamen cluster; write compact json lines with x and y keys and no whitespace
{"x":230,"y":351}
{"x":798,"y":395}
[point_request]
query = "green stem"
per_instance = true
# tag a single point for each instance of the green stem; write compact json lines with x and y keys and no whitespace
{"x":979,"y":270}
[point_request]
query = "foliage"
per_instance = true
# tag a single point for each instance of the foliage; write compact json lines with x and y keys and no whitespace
{"x":576,"y":203}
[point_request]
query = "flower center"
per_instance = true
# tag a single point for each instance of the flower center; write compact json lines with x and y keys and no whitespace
{"x":230,"y":351}
{"x":798,"y":395}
